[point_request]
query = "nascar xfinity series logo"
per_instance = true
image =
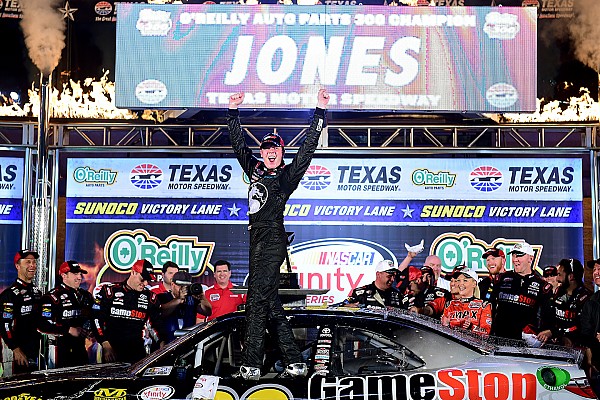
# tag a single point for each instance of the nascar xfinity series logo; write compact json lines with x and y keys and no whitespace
{"x":486,"y":178}
{"x":146,"y":176}
{"x":124,"y":247}
{"x":338,"y":264}
{"x":316,"y":178}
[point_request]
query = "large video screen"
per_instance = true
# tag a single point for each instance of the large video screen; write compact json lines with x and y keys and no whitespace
{"x":481,"y":59}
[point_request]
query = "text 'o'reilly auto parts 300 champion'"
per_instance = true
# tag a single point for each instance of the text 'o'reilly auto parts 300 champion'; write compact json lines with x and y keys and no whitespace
{"x":352,"y":354}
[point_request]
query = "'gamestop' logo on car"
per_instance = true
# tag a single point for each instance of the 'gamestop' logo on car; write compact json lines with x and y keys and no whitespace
{"x":146,"y":176}
{"x":316,"y":177}
{"x":486,"y":178}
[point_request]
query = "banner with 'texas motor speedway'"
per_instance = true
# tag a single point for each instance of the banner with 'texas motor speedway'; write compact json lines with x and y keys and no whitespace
{"x":347,"y":214}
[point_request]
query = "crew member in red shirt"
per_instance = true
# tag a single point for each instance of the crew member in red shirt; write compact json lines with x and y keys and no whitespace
{"x":219,"y":295}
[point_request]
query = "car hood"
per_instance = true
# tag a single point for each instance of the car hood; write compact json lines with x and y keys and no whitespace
{"x":91,"y":372}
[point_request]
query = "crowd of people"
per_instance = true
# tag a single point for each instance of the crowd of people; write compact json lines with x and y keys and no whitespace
{"x":67,"y":326}
{"x":552,"y":307}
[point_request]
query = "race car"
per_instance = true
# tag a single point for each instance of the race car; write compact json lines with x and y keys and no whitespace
{"x":351,"y":354}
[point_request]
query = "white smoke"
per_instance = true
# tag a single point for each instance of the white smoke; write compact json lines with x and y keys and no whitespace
{"x":44,"y":31}
{"x":585,"y":32}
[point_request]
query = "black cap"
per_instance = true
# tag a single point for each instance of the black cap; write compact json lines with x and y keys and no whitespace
{"x":24,"y":253}
{"x":71,"y":266}
{"x":145,"y":268}
{"x":182,"y":278}
{"x":590,"y":264}
{"x":550,"y":270}
{"x":494,"y":252}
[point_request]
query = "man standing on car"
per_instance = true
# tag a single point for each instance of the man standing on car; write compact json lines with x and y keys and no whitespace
{"x":120,"y":313}
{"x":271,"y":184}
{"x":221,"y":298}
{"x":66,"y":313}
{"x":20,"y":315}
{"x":178,"y":307}
{"x":521,"y":297}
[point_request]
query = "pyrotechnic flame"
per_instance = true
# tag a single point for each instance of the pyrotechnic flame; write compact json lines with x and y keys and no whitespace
{"x":91,"y":100}
{"x":576,"y":109}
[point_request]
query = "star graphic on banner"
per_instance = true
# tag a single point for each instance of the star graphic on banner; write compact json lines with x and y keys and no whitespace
{"x":407,"y":211}
{"x":233,"y":210}
{"x":68,"y":12}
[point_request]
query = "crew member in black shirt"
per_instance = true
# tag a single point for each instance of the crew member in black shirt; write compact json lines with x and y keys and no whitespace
{"x":66,"y":313}
{"x":20,"y":313}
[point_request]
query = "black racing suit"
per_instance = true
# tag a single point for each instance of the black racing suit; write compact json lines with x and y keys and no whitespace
{"x":119,"y":315}
{"x":63,"y":308}
{"x":520,"y":301}
{"x":566,"y":311}
{"x":370,"y":295}
{"x":268,"y":192}
{"x":20,"y":315}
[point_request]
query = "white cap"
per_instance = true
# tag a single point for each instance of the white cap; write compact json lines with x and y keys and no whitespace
{"x":385,"y":265}
{"x":469,"y":272}
{"x":524,"y":248}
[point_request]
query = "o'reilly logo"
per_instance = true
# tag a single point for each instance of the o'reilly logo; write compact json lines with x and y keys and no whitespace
{"x":91,"y":176}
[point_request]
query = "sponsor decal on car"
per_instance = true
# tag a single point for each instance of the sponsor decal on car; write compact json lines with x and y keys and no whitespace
{"x":553,"y":378}
{"x":110,"y":394}
{"x":450,"y":384}
{"x":158,"y":371}
{"x":22,"y":396}
{"x":156,"y":392}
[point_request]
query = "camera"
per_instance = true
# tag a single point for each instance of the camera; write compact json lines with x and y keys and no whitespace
{"x":194,"y":289}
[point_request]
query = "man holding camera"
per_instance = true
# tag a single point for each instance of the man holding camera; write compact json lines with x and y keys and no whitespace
{"x":178,"y":307}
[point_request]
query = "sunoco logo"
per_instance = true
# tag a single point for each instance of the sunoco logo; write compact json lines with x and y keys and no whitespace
{"x":316,"y":178}
{"x":426,"y":178}
{"x":464,"y":248}
{"x":146,"y":176}
{"x":91,"y":176}
{"x":124,"y":247}
{"x":486,"y":178}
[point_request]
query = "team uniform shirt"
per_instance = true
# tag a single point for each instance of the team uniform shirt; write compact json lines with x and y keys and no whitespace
{"x":370,"y":295}
{"x":20,"y":317}
{"x":520,"y":301}
{"x":470,"y":313}
{"x":63,"y":308}
{"x":428,"y":296}
{"x":486,"y":287}
{"x":566,"y":311}
{"x":119,"y":316}
{"x":158,"y":288}
{"x":223,"y":301}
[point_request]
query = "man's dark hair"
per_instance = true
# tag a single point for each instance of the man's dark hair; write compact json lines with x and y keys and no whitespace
{"x":169,"y":264}
{"x":223,"y":262}
{"x":573,"y":266}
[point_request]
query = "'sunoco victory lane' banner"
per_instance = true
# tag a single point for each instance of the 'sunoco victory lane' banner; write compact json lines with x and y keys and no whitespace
{"x":347,"y":214}
{"x":11,"y":216}
{"x":368,"y":57}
